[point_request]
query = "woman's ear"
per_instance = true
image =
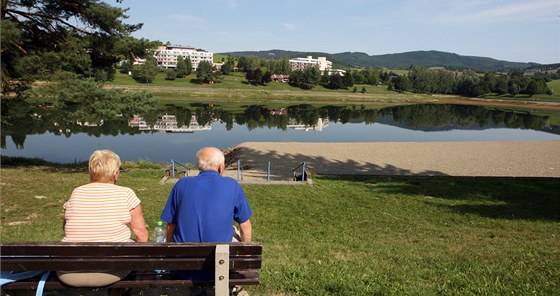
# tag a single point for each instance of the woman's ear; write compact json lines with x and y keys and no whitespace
{"x":116,"y":176}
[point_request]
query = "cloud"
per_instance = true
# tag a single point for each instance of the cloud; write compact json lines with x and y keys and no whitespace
{"x":494,"y":11}
{"x":289,"y":26}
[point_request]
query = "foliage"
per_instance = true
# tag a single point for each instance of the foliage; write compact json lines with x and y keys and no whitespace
{"x":184,"y":67}
{"x":335,"y":82}
{"x":131,"y":48}
{"x":348,"y":79}
{"x":228,"y":66}
{"x":468,"y":83}
{"x":205,"y":73}
{"x":171,"y":74}
{"x":257,"y":77}
{"x":126,"y":67}
{"x":306,"y":79}
{"x":146,"y":72}
{"x":38,"y":39}
{"x":89,"y":101}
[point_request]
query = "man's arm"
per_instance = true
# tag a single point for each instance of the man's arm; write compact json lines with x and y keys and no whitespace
{"x":246,"y":231}
{"x":170,"y":232}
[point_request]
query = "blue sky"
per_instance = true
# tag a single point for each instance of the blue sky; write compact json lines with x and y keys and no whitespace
{"x":511,"y":30}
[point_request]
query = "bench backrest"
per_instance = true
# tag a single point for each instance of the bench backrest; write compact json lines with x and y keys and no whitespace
{"x":24,"y":256}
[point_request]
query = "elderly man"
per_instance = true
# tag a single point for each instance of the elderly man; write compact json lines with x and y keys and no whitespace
{"x":202,"y":208}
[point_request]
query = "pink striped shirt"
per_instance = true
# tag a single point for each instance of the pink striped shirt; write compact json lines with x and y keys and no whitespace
{"x":99,"y":212}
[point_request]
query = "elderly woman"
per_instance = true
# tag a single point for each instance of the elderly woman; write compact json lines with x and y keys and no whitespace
{"x":101,"y":212}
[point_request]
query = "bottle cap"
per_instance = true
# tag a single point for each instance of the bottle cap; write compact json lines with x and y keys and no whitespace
{"x":160,"y":223}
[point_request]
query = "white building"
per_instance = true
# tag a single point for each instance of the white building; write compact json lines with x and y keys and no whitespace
{"x":302,"y":63}
{"x":166,"y":56}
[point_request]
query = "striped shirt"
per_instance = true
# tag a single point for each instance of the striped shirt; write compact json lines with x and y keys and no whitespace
{"x":99,"y":212}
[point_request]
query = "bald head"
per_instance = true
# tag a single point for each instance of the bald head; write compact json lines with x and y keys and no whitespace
{"x":210,"y":158}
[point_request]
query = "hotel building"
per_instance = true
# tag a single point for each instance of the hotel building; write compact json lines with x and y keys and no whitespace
{"x":166,"y":56}
{"x":302,"y":63}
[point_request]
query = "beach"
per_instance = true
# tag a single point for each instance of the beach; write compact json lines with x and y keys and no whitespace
{"x":492,"y":159}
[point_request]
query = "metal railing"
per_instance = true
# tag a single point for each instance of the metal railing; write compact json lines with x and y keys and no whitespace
{"x":173,"y":162}
{"x":303,"y":174}
{"x":240,"y":171}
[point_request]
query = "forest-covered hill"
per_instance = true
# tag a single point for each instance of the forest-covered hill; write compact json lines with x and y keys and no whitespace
{"x":404,"y":60}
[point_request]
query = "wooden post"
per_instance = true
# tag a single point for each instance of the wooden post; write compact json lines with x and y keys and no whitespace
{"x":221,"y":276}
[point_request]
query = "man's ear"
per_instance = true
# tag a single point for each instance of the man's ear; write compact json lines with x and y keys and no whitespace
{"x":221,"y":168}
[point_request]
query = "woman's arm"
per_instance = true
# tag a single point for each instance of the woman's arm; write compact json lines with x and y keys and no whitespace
{"x":138,"y":225}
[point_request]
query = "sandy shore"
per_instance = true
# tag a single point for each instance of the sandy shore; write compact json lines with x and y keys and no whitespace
{"x":510,"y":159}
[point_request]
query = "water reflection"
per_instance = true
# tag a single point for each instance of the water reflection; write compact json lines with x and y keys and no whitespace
{"x":21,"y":119}
{"x":168,"y":123}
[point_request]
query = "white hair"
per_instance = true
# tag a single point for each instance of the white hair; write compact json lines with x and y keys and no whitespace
{"x":209,"y":158}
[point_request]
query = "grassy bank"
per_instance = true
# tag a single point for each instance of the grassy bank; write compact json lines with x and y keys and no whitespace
{"x":234,"y":88}
{"x":367,"y":236}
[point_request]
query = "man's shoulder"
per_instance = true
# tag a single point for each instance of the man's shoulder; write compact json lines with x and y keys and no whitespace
{"x":229,"y":179}
{"x":185,"y":180}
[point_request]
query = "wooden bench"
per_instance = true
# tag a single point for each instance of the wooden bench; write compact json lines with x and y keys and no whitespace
{"x":232,"y":263}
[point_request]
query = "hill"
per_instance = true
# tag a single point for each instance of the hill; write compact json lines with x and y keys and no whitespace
{"x":404,"y":60}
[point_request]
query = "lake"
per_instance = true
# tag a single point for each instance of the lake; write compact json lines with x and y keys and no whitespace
{"x":178,"y":132}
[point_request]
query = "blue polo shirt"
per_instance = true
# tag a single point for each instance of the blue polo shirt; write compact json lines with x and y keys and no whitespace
{"x":204,"y":207}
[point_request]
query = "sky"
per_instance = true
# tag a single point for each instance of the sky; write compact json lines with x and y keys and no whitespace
{"x":510,"y":30}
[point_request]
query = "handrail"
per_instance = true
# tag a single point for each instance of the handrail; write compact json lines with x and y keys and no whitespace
{"x":302,"y":165}
{"x":239,"y":170}
{"x":173,"y":168}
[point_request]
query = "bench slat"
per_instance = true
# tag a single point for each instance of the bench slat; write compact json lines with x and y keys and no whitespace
{"x":119,"y":263}
{"x":142,"y":280}
{"x":117,"y":249}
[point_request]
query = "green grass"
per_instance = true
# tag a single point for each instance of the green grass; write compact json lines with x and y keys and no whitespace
{"x":235,"y":90}
{"x":354,"y":236}
{"x":554,"y":85}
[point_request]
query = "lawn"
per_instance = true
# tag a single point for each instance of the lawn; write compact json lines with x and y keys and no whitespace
{"x":234,"y":90}
{"x":353,"y":236}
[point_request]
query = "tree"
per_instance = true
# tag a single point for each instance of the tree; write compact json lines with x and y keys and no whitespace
{"x":335,"y":82}
{"x":325,"y":78}
{"x":189,"y":66}
{"x":348,"y":79}
{"x":146,"y":72}
{"x":359,"y":77}
{"x":171,"y":74}
{"x":537,"y":86}
{"x":257,"y":76}
{"x":401,"y":83}
{"x":81,"y":34}
{"x":126,"y":67}
{"x":204,"y":72}
{"x":130,"y":48}
{"x":182,"y":69}
{"x":228,"y":66}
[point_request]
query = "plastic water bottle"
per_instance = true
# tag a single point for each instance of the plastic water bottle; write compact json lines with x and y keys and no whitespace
{"x":160,"y":233}
{"x":160,"y":236}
